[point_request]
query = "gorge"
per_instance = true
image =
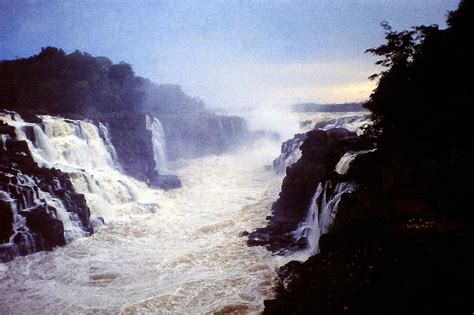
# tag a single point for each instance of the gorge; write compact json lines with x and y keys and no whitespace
{"x":122,"y":196}
{"x":138,"y":226}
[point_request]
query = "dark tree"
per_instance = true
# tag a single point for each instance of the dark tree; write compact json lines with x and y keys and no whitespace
{"x":421,"y":109}
{"x":79,"y":85}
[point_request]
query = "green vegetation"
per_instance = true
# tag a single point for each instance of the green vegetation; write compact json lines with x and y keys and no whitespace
{"x":79,"y":85}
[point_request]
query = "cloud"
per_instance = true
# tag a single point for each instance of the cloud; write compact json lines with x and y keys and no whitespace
{"x":323,"y":93}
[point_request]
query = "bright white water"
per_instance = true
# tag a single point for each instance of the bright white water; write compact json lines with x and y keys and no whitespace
{"x":72,"y":228}
{"x":352,"y":121}
{"x":104,"y":132}
{"x":175,"y":252}
{"x":76,"y":147}
{"x":321,"y":214}
{"x":291,"y":151}
{"x":159,"y":143}
{"x":342,"y":167}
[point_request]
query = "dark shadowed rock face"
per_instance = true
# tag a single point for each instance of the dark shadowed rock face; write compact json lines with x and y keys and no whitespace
{"x":29,"y":224}
{"x":387,"y":252}
{"x":187,"y":135}
{"x":398,"y":269}
{"x":133,"y":143}
{"x":320,"y":153}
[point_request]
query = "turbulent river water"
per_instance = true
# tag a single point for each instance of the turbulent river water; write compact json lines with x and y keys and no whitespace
{"x":186,"y":257}
{"x":160,"y":252}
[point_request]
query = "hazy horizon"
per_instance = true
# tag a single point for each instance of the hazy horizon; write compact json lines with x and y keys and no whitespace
{"x":228,"y":53}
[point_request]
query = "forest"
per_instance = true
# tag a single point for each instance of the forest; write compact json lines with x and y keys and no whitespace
{"x":78,"y":85}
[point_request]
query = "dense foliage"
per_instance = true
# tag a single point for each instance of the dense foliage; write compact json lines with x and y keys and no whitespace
{"x":78,"y":84}
{"x":421,"y":108}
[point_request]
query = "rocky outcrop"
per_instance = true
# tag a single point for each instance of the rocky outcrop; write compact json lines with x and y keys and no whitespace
{"x":321,"y":151}
{"x":290,"y":153}
{"x":384,"y":254}
{"x":133,"y":143}
{"x":35,"y":202}
{"x":390,"y":250}
{"x":406,"y":266}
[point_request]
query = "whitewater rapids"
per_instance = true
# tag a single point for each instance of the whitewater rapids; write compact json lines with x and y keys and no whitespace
{"x":186,"y":257}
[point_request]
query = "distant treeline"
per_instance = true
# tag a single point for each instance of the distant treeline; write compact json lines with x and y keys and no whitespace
{"x":330,"y":108}
{"x":80,"y":85}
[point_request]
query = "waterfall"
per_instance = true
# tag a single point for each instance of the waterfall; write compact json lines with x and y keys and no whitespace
{"x":159,"y":143}
{"x":309,"y":228}
{"x":186,"y":258}
{"x":24,"y":240}
{"x":4,"y":139}
{"x":233,"y":129}
{"x":321,"y":214}
{"x":77,"y":148}
{"x":23,"y":196}
{"x":72,"y":143}
{"x":104,"y":132}
{"x":342,"y":167}
{"x":221,"y":131}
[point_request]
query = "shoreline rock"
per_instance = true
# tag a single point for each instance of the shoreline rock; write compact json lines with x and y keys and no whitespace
{"x":28,"y":223}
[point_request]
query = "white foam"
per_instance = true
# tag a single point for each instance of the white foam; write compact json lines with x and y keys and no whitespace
{"x":186,"y":257}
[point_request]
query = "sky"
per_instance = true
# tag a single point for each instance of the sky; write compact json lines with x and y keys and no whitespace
{"x":228,"y":53}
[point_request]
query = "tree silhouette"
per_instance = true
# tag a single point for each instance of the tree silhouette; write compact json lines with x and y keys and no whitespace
{"x":79,"y":85}
{"x":420,"y":108}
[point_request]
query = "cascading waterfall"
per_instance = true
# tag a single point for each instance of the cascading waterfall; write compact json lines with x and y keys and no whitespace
{"x":76,"y":147}
{"x":73,"y":144}
{"x":159,"y":143}
{"x":71,"y":223}
{"x":24,"y":240}
{"x":104,"y":132}
{"x":309,"y":228}
{"x":186,"y":257}
{"x":25,"y":197}
{"x":321,"y":214}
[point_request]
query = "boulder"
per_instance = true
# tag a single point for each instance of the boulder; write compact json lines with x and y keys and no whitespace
{"x":42,"y":220}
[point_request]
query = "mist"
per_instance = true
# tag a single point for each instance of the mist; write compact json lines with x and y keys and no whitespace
{"x":233,"y":157}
